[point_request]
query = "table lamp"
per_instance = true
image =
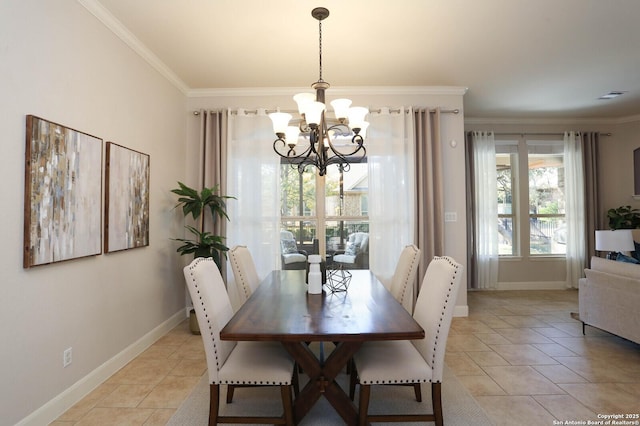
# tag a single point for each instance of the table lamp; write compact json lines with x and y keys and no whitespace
{"x":614,"y":241}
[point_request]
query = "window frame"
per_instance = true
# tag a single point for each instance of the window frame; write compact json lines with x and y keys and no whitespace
{"x":321,"y":217}
{"x":520,"y":213}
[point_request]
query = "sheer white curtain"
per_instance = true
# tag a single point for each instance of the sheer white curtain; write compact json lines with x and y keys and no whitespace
{"x":486,"y":209}
{"x":253,"y":178}
{"x":390,"y":157}
{"x":574,"y":208}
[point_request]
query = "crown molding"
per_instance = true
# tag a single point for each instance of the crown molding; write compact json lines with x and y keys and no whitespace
{"x":113,"y":24}
{"x":553,"y":121}
{"x":629,"y":119}
{"x":352,"y":90}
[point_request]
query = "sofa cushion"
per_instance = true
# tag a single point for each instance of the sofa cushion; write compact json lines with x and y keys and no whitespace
{"x":352,"y":249}
{"x":617,"y":268}
{"x":344,"y":258}
{"x":294,"y":258}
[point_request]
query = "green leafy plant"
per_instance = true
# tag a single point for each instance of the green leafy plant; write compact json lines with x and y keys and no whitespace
{"x":624,"y":217}
{"x":197,"y":204}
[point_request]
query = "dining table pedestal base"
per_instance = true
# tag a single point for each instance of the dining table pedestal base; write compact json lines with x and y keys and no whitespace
{"x":322,"y":379}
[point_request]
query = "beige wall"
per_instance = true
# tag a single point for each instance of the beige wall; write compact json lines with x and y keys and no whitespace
{"x":60,"y":63}
{"x":616,"y":181}
{"x":616,"y":159}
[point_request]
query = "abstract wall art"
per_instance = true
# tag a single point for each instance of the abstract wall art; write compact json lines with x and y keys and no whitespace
{"x":63,"y":193}
{"x":127,"y":199}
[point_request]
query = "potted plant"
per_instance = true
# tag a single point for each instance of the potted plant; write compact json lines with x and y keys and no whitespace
{"x":624,"y":217}
{"x":205,"y":244}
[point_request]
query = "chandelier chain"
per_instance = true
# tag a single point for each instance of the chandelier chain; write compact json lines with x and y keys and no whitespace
{"x":320,"y":46}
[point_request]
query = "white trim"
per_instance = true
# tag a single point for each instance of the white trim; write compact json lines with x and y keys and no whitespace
{"x":65,"y":400}
{"x":552,"y":121}
{"x":352,"y":90}
{"x":461,"y":311}
{"x":118,"y":28}
{"x":533,"y":285}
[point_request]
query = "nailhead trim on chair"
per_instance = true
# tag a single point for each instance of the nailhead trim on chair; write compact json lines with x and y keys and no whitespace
{"x":243,"y":278}
{"x":252,"y":382}
{"x":435,"y":346}
{"x":395,"y":382}
{"x":404,"y":286}
{"x":215,"y":346}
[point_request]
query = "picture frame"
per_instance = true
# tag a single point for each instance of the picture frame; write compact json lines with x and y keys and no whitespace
{"x":126,"y":198}
{"x":63,"y":193}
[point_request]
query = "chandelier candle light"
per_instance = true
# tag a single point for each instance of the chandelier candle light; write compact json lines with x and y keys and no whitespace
{"x":322,"y":133}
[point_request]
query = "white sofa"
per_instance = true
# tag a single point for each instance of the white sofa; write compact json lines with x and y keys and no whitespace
{"x":609,"y":298}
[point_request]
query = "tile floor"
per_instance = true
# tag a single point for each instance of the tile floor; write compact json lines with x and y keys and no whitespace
{"x":519,"y":353}
{"x":526,"y":362}
{"x":149,"y":389}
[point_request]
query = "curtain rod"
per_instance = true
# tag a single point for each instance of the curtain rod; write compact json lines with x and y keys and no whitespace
{"x":540,"y":134}
{"x":255,"y":111}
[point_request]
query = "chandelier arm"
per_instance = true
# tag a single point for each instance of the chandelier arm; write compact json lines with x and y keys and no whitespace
{"x":291,"y":153}
{"x":357,"y":139}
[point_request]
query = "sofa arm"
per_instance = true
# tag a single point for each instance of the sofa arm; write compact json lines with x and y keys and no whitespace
{"x":610,"y":302}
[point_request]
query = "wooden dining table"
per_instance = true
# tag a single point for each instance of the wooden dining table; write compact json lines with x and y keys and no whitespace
{"x":282,"y":310}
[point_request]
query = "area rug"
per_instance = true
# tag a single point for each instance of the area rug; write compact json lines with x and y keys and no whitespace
{"x":459,"y":407}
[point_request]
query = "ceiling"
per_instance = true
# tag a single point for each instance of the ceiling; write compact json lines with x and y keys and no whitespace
{"x":518,"y":58}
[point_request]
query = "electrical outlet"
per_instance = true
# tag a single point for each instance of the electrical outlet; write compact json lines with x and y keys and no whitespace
{"x":66,"y":357}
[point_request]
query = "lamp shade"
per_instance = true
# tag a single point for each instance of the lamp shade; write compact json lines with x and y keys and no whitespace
{"x":303,"y":99}
{"x":356,"y":117}
{"x":616,"y":241}
{"x":314,"y":111}
{"x":341,"y":107}
{"x":280,"y":121}
{"x":291,"y":135}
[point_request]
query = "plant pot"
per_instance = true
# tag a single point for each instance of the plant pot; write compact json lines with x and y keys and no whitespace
{"x":193,"y":322}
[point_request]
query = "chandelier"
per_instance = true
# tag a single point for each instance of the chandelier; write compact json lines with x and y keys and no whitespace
{"x":327,"y":140}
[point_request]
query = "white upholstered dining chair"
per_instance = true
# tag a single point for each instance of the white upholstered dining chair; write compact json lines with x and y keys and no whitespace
{"x":404,"y":276}
{"x":235,"y":363}
{"x":417,"y":361}
{"x":244,"y":272}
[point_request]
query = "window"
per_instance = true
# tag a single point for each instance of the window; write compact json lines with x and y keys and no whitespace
{"x":547,"y":230}
{"x":298,"y":205}
{"x":506,"y":161}
{"x":531,"y":172}
{"x":323,"y":211}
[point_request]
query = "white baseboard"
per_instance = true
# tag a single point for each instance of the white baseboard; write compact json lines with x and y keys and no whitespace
{"x":461,"y":311}
{"x":61,"y":403}
{"x":534,"y":285}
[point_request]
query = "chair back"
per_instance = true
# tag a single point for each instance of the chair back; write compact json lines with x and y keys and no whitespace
{"x":287,"y":235}
{"x":434,"y":310}
{"x":244,"y":272}
{"x":404,"y":276}
{"x":213,"y":310}
{"x":361,"y":239}
{"x":288,"y":243}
